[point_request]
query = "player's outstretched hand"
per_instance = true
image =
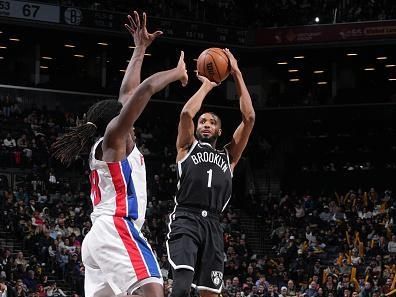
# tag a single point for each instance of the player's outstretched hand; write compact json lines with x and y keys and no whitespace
{"x":206,"y":81}
{"x":181,"y":66}
{"x":233,"y":62}
{"x":141,"y":37}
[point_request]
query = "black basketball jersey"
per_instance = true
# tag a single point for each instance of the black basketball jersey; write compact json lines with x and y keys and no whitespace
{"x":204,"y":178}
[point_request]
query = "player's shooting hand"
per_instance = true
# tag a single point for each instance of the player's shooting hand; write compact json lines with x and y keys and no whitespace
{"x":141,"y":36}
{"x":206,"y":81}
{"x":233,"y":62}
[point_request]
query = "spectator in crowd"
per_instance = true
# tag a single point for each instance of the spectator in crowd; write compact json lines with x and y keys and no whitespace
{"x":392,"y":245}
{"x":5,"y":289}
{"x":54,"y":291}
{"x":20,"y":260}
{"x":9,"y":141}
{"x":283,"y":291}
{"x":30,"y":281}
{"x":20,"y":292}
{"x":312,"y":290}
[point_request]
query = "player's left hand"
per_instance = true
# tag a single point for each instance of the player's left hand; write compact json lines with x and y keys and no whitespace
{"x":206,"y":81}
{"x":233,"y":62}
{"x":141,"y":36}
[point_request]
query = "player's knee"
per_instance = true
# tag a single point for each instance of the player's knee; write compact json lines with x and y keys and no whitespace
{"x":182,"y":280}
{"x":151,"y":290}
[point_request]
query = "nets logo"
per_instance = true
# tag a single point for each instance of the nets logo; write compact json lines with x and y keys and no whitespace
{"x":217,"y":277}
{"x":73,"y":16}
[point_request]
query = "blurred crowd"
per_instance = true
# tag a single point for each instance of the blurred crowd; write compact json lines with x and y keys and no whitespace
{"x":47,"y":210}
{"x":330,"y":245}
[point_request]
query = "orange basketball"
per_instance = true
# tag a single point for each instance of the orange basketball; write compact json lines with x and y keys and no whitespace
{"x":213,"y":64}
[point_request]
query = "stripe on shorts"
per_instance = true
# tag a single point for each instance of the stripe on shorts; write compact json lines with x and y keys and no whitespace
{"x":135,"y":255}
{"x":146,"y":251}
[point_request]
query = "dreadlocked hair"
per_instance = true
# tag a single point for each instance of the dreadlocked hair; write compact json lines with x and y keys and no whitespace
{"x":99,"y":115}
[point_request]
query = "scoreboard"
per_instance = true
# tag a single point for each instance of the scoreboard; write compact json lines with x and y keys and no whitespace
{"x":30,"y":11}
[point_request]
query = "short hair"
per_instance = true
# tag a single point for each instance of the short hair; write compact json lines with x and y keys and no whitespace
{"x":213,"y":114}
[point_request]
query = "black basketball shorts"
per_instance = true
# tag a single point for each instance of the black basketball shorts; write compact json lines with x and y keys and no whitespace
{"x":195,"y":242}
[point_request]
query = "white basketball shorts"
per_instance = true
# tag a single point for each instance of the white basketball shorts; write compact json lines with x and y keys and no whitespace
{"x":117,"y":258}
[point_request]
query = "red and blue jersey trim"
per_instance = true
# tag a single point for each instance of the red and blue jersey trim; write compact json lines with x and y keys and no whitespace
{"x":126,"y":200}
{"x":133,"y":211}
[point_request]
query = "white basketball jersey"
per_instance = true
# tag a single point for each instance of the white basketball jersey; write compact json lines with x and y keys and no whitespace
{"x":119,"y":188}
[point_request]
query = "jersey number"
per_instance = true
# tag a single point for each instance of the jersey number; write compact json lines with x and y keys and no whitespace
{"x":95,"y":191}
{"x":209,"y":177}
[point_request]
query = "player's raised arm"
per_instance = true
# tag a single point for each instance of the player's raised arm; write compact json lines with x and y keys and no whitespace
{"x":117,"y":130}
{"x":142,"y":40}
{"x":185,"y":136}
{"x":241,"y":135}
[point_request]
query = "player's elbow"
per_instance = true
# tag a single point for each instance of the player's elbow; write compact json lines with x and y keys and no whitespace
{"x":147,"y":87}
{"x":124,"y":96}
{"x":249,"y":118}
{"x":186,"y":114}
{"x":125,"y":91}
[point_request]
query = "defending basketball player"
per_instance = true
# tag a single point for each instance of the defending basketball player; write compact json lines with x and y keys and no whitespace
{"x":195,"y":239}
{"x":117,"y":258}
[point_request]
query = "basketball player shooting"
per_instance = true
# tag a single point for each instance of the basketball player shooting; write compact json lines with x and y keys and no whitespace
{"x":195,"y":239}
{"x":117,"y":258}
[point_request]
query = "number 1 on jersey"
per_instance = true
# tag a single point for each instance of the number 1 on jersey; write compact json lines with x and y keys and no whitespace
{"x":209,"y":177}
